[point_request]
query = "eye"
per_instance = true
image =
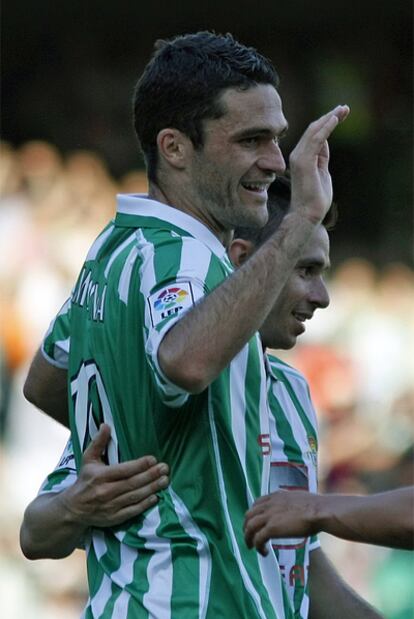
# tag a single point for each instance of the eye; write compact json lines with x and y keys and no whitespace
{"x":306,"y":272}
{"x":250,"y":141}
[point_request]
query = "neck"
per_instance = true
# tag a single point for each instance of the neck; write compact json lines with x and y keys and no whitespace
{"x":169,"y":198}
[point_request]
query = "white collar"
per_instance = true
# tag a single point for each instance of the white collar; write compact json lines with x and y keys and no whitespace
{"x":141,"y":205}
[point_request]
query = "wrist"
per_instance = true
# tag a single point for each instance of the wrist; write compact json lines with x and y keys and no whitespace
{"x":320,"y":512}
{"x":71,"y":517}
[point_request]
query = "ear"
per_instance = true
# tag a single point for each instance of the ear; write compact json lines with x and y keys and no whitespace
{"x":174,"y":147}
{"x":239,"y":251}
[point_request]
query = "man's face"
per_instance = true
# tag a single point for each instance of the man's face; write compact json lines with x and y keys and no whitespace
{"x":240,"y":157}
{"x":303,"y":293}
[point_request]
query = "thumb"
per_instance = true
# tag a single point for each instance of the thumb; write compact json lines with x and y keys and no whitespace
{"x":96,"y":447}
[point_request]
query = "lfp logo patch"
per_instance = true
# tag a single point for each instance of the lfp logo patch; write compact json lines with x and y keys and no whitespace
{"x":170,"y":301}
{"x":170,"y":297}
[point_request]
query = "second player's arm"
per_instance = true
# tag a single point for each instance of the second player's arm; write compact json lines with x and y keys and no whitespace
{"x":385,"y":519}
{"x":55,"y":523}
{"x":330,"y":596}
{"x":46,"y":388}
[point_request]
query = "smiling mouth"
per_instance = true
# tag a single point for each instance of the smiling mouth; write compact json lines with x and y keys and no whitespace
{"x":256,"y":187}
{"x":301,"y":317}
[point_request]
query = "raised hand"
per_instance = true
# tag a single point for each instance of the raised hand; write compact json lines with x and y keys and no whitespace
{"x":311,"y":180}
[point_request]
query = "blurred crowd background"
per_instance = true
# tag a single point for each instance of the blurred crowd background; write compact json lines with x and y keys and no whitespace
{"x":68,"y":148}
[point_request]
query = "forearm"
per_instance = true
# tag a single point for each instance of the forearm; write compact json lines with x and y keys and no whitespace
{"x":49,"y":530}
{"x":331,"y":596}
{"x":211,"y":328}
{"x":386,"y":519}
{"x":46,"y":388}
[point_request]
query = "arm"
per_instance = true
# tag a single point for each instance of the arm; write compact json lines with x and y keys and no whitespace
{"x":46,"y":388}
{"x":55,"y":523}
{"x":385,"y":519}
{"x":215,"y":336}
{"x":331,"y":596}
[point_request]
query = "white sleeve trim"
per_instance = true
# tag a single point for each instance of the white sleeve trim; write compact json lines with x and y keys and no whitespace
{"x":63,"y":355}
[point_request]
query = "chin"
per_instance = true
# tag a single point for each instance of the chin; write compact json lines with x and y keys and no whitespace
{"x":252,"y":215}
{"x":289,"y":343}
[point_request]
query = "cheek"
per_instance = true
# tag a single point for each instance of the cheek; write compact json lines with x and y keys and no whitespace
{"x":297,"y":291}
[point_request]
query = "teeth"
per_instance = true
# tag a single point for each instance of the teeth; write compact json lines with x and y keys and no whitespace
{"x":254,"y":186}
{"x":300,"y":317}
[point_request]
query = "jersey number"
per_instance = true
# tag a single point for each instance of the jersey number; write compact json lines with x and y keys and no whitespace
{"x":91,"y":407}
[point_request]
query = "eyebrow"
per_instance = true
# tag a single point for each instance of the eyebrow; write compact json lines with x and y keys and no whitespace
{"x":320,"y":264}
{"x":261,"y":131}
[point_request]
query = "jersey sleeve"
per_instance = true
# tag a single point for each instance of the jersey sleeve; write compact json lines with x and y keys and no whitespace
{"x":62,"y":477}
{"x":175,"y":276}
{"x":55,"y":345}
{"x":314,"y":542}
{"x":64,"y":474}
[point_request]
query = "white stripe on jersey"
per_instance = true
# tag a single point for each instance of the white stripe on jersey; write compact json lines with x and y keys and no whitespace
{"x":238,"y":368}
{"x":125,"y":278}
{"x":289,"y":408}
{"x":99,"y":544}
{"x":264,"y":416}
{"x":120,"y":610}
{"x":97,"y":245}
{"x":123,"y":576}
{"x":304,"y":607}
{"x":79,"y":389}
{"x":117,"y":251}
{"x":125,"y":573}
{"x":301,"y":389}
{"x":243,"y":572}
{"x":157,"y":600}
{"x":203,"y":550}
{"x":272,"y":578}
{"x":194,"y":253}
{"x":101,"y":597}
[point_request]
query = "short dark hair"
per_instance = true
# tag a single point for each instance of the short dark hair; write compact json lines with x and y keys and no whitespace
{"x":181,"y":84}
{"x":278,"y":205}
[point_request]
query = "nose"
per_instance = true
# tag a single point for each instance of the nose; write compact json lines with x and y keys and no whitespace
{"x":320,"y":296}
{"x":271,"y":159}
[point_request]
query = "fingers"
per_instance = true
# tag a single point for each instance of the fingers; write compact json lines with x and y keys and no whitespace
{"x":130,"y":511}
{"x":253,"y":522}
{"x":96,"y":448}
{"x":319,"y":131}
{"x":141,"y":492}
{"x":103,"y":503}
{"x":342,"y":112}
{"x":333,"y":117}
{"x":154,"y":479}
{"x":124,"y":470}
{"x":132,"y":503}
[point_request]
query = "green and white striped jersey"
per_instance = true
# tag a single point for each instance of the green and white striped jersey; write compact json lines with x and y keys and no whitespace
{"x":293,"y":440}
{"x":186,"y":557}
{"x":294,"y":444}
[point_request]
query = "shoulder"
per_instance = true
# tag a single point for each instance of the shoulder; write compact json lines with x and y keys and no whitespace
{"x":283,"y":370}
